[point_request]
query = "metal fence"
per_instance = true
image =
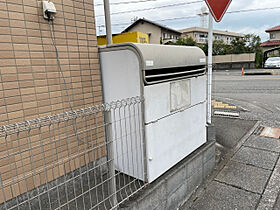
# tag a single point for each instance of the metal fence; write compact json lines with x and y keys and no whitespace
{"x":84,"y":159}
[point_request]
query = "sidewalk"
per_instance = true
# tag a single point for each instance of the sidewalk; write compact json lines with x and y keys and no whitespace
{"x":248,"y":178}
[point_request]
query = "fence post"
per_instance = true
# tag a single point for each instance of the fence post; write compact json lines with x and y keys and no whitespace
{"x":110,"y":158}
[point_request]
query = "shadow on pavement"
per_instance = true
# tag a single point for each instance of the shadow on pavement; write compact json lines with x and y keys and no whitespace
{"x":229,"y":131}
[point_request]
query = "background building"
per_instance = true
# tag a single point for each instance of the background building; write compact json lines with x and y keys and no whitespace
{"x":158,"y":34}
{"x":274,"y":38}
{"x":135,"y":37}
{"x":200,"y":35}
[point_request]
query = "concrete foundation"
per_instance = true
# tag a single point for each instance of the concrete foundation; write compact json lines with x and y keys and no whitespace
{"x":177,"y":185}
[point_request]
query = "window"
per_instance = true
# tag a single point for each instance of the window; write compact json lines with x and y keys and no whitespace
{"x":171,"y":36}
{"x":165,"y":36}
{"x":149,"y":34}
{"x":272,"y":36}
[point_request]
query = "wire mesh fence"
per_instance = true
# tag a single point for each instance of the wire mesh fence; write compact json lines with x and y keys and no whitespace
{"x":90,"y":158}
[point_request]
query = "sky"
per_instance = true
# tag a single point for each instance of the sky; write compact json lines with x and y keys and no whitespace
{"x":253,"y":22}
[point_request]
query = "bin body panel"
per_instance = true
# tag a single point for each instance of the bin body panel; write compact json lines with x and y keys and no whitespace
{"x":120,"y":75}
{"x":171,"y":135}
{"x":171,"y":139}
{"x":121,"y":80}
{"x":158,"y":97}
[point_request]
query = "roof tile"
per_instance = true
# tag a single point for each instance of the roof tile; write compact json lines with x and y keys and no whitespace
{"x":270,"y":43}
{"x":276,"y":28}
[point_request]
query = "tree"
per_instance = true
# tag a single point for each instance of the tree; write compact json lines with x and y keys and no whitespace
{"x":189,"y":41}
{"x":254,"y":46}
{"x":220,"y":48}
{"x":238,"y":46}
{"x":204,"y":47}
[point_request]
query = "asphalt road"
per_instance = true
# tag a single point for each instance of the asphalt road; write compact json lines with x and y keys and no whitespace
{"x":258,"y":96}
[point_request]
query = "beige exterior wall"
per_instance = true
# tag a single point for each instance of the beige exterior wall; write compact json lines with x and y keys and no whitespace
{"x":148,"y":28}
{"x":190,"y":34}
{"x":31,"y":87}
{"x":30,"y":83}
{"x":269,"y":48}
{"x":234,"y":58}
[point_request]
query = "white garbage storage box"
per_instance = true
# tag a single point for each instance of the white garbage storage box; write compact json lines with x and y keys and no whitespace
{"x":172,"y":81}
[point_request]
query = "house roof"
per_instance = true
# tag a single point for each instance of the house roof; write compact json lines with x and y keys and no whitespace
{"x":205,"y":30}
{"x":276,"y":28}
{"x":151,"y":22}
{"x":270,"y":43}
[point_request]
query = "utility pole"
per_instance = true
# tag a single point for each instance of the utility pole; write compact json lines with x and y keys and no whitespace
{"x":210,"y":47}
{"x":108,"y":22}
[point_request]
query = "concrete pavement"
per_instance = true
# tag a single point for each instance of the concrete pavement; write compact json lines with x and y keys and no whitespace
{"x":247,"y":178}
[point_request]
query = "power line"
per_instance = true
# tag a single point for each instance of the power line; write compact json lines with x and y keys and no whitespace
{"x":161,"y":20}
{"x":253,"y":10}
{"x":152,"y":8}
{"x":125,"y":2}
{"x":195,"y":16}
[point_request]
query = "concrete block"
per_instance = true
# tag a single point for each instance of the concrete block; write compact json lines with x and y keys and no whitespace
{"x":195,"y":180}
{"x":194,"y":165}
{"x":211,"y":132}
{"x":256,"y":157}
{"x":208,"y":167}
{"x":175,"y":180}
{"x":181,"y":194}
{"x":153,"y":199}
{"x":209,"y":153}
{"x":244,"y":176}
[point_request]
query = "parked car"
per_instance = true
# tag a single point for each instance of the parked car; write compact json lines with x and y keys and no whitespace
{"x":272,"y":62}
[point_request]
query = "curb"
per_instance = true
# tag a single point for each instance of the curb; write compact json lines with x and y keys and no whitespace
{"x":269,"y":72}
{"x":275,"y":72}
{"x":258,"y":73}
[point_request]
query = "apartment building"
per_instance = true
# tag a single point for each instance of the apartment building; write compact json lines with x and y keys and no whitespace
{"x":200,"y":35}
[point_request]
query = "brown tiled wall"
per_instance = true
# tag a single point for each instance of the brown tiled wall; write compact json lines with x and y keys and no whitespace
{"x":31,"y":87}
{"x":30,"y":83}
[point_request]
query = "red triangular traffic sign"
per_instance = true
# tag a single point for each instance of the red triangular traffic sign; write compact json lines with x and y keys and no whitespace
{"x":218,"y":8}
